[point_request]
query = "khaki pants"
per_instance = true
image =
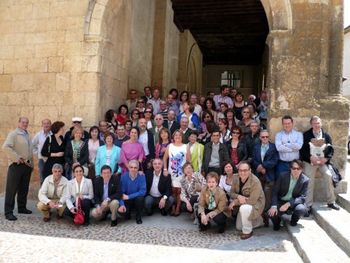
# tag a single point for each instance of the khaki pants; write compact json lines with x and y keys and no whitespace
{"x":112,"y":206}
{"x":45,"y":209}
{"x":310,"y":171}
{"x":243,"y":223}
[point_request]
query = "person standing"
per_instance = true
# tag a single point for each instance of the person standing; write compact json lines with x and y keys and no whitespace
{"x":38,"y":142}
{"x":313,"y":163}
{"x":19,"y":150}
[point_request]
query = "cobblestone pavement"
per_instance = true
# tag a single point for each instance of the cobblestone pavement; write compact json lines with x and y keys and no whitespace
{"x":158,"y":238}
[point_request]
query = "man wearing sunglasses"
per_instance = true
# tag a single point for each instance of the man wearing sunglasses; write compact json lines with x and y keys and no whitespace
{"x":289,"y":195}
{"x":264,"y":161}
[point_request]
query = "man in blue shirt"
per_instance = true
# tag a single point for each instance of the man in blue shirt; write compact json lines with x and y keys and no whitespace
{"x":134,"y":190}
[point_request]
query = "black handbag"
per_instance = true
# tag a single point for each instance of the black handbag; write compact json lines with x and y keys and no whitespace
{"x":336,"y":176}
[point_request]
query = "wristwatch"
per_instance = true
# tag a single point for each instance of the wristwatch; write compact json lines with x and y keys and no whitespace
{"x":165,"y":197}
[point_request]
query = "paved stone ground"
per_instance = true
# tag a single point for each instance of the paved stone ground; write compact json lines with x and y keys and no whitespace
{"x":157,"y":239}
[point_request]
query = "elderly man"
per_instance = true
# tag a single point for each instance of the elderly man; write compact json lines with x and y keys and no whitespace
{"x":159,"y":121}
{"x":131,"y":102}
{"x":172,"y":104}
{"x":312,"y":163}
{"x":107,"y":195}
{"x":288,"y":143}
{"x":19,"y":150}
{"x":223,"y":97}
{"x":38,"y":142}
{"x":51,"y":193}
{"x":164,"y":109}
{"x":147,"y":94}
{"x":214,"y":155}
{"x":264,"y":161}
{"x":186,"y":131}
{"x":134,"y":190}
{"x":289,"y":195}
{"x":171,"y":124}
{"x":248,"y":200}
{"x":158,"y":189}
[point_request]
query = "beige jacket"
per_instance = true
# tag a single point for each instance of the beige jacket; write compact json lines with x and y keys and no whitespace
{"x":73,"y":191}
{"x":220,"y":200}
{"x":253,"y":191}
{"x":18,"y":145}
{"x":47,"y":189}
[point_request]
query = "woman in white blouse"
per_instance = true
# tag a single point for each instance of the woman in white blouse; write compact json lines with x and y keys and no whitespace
{"x":227,"y":179}
{"x":79,"y":187}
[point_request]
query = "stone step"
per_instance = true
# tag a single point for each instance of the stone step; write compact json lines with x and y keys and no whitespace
{"x":313,"y":244}
{"x":344,"y":201}
{"x":335,"y":223}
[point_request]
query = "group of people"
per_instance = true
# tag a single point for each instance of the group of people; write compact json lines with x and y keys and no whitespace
{"x":213,"y":159}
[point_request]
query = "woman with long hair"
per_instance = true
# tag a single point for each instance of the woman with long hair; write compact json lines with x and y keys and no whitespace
{"x":237,"y":147}
{"x":163,"y":142}
{"x":209,"y":106}
{"x":123,"y":114}
{"x":93,"y":144}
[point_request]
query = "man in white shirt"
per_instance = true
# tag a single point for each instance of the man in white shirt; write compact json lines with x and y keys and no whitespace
{"x":158,"y":189}
{"x":288,"y":143}
{"x":155,"y":101}
{"x":38,"y":142}
{"x":196,"y":106}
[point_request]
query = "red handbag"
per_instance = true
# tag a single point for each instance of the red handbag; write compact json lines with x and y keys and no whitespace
{"x":79,"y":218}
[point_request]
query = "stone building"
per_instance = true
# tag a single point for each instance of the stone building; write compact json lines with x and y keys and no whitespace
{"x":60,"y":58}
{"x":346,"y":62}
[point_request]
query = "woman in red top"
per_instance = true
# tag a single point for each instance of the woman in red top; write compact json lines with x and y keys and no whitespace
{"x":123,"y":114}
{"x":238,"y":148}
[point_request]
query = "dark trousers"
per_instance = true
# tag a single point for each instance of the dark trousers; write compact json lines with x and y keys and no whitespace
{"x":18,"y":178}
{"x":297,"y":212}
{"x":136,"y":203}
{"x":193,"y":200}
{"x":219,"y":219}
{"x":86,"y":205}
{"x":151,"y":202}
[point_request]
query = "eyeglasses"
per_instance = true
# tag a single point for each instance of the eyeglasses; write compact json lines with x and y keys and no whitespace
{"x":207,"y":117}
{"x":133,"y":167}
{"x":264,"y":137}
{"x":136,"y":113}
{"x":76,"y":122}
{"x":236,"y":132}
{"x":243,"y":170}
{"x":246,"y":112}
{"x":295,"y":168}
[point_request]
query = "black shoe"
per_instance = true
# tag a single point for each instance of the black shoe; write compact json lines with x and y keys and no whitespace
{"x":333,"y":206}
{"x":11,"y":217}
{"x":294,"y":221}
{"x":309,"y":212}
{"x":127,"y":216}
{"x":265,"y":219}
{"x":86,"y":224}
{"x":163,"y":212}
{"x":24,"y":211}
{"x":221,"y":229}
{"x":276,"y":224}
{"x":149,"y":213}
{"x":203,"y":228}
{"x":114,"y":223}
{"x":139,"y":221}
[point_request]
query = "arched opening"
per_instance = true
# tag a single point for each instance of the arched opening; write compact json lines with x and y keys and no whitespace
{"x":231,"y":36}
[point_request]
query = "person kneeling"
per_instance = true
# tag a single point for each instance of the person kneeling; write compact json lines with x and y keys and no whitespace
{"x":289,"y":195}
{"x":248,"y":200}
{"x":107,"y":193}
{"x":79,"y":188}
{"x":212,"y":204}
{"x":158,"y":189}
{"x":51,"y":193}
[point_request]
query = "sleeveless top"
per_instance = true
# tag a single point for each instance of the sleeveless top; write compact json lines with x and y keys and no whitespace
{"x":177,"y":158}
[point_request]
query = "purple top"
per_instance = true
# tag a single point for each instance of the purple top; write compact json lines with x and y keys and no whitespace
{"x":130,"y":151}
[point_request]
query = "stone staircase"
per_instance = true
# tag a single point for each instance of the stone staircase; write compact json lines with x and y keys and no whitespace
{"x":325,"y":236}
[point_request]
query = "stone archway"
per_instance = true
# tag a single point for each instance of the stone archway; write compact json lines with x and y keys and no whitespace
{"x":107,"y":32}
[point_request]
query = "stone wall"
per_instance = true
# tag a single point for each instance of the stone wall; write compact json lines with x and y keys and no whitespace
{"x":141,"y":50}
{"x":346,"y":63}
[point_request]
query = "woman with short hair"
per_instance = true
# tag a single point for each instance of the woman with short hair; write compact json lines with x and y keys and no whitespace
{"x":212,"y":204}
